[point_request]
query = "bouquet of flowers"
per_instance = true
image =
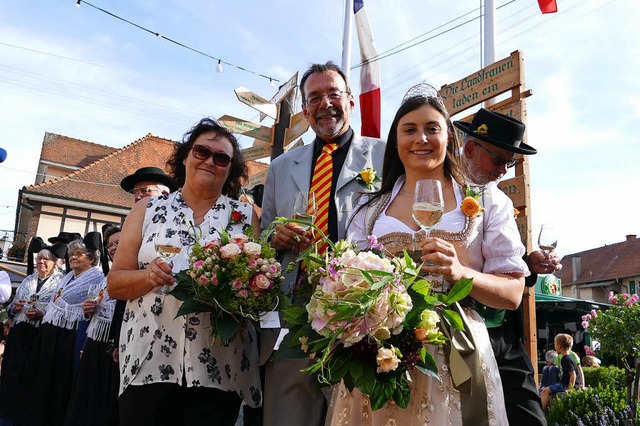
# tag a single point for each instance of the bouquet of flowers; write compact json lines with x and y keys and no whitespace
{"x":368,"y":321}
{"x":233,"y":277}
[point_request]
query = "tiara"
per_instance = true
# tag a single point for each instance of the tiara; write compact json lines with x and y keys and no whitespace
{"x":422,"y":90}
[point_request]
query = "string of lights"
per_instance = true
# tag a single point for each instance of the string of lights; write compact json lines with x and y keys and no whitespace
{"x":220,"y":62}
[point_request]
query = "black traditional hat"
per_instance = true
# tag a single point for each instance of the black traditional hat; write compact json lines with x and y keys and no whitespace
{"x":93,"y":241}
{"x":36,"y":244}
{"x":65,"y":237}
{"x":147,"y":174}
{"x":497,"y":129}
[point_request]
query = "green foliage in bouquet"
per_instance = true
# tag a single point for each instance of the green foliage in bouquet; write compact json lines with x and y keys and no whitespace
{"x":369,"y":321}
{"x":593,"y":406}
{"x":233,"y":277}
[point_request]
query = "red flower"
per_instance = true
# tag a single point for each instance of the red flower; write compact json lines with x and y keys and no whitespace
{"x":236,"y":217}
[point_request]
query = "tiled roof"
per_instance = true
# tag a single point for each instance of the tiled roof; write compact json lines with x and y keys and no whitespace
{"x":71,"y":152}
{"x":99,"y":182}
{"x":606,"y":263}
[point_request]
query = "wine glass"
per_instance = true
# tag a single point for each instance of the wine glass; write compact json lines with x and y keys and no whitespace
{"x":167,"y":246}
{"x":94,"y":292}
{"x":547,"y":240}
{"x":33,"y":299}
{"x":428,"y":204}
{"x":304,"y":208}
{"x":427,"y":210}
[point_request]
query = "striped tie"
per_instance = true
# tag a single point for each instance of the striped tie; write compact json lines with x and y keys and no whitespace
{"x":321,"y":186}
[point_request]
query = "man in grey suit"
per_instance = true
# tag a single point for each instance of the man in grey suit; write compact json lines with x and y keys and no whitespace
{"x":294,"y":398}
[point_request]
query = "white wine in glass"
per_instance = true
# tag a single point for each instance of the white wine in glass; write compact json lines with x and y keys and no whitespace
{"x":428,"y":204}
{"x":304,"y":208}
{"x":167,"y":247}
{"x":547,"y":240}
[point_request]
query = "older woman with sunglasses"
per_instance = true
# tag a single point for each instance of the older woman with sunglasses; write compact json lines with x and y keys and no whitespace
{"x":171,"y":366}
{"x":53,"y":361}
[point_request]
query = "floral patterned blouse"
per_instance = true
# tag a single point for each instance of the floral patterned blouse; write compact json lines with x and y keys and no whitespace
{"x":156,"y":347}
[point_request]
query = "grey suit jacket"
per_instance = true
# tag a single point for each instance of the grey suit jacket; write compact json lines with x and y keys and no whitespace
{"x":291,"y":173}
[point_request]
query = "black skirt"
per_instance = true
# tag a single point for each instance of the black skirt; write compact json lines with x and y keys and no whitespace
{"x":94,"y":399}
{"x":47,"y":379}
{"x":17,"y":348}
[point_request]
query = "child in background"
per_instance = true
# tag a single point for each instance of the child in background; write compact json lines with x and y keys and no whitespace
{"x":563,"y":343}
{"x":551,"y":372}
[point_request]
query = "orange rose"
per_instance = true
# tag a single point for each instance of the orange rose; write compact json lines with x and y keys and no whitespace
{"x":420,"y":334}
{"x":470,"y":206}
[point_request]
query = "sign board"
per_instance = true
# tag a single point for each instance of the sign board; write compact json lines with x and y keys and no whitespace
{"x":515,"y":189}
{"x":246,"y":128}
{"x":298,"y":126}
{"x":283,"y":91}
{"x":521,"y":222}
{"x":247,"y":97}
{"x":512,"y":109}
{"x":257,"y":151}
{"x":487,"y":83}
{"x":258,"y":178}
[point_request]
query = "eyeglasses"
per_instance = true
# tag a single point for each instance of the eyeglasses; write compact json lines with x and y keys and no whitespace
{"x":146,"y":191}
{"x":77,"y":254}
{"x":333,"y":96}
{"x":201,"y":152}
{"x":497,"y":160}
{"x":112,"y":245}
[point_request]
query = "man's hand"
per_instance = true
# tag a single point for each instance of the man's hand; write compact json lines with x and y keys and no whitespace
{"x":540,"y":262}
{"x":291,"y":236}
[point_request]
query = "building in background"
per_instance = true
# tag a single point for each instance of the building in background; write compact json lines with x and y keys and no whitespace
{"x":592,"y":274}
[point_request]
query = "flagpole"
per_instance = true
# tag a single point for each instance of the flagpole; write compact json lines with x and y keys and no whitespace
{"x":346,"y":37}
{"x":489,"y":38}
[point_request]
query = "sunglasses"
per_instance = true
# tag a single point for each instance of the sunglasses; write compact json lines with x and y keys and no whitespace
{"x":497,"y":160}
{"x":201,"y":152}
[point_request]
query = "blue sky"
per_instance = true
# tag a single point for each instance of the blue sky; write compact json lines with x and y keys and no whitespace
{"x":83,"y":74}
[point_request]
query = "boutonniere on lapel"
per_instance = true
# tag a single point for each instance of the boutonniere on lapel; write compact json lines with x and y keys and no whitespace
{"x":368,"y":178}
{"x":470,"y":205}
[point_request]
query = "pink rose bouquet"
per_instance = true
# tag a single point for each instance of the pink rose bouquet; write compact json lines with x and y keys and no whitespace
{"x":368,"y":321}
{"x":234,"y":277}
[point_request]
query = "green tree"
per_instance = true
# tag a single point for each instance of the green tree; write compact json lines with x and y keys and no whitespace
{"x":618,"y":331}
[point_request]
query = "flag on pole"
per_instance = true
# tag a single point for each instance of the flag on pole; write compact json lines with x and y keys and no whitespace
{"x":369,"y":74}
{"x":548,"y":6}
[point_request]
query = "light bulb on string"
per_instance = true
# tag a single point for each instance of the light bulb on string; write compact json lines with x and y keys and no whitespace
{"x":78,"y":3}
{"x":272,"y":83}
{"x":219,"y":66}
{"x":158,"y":35}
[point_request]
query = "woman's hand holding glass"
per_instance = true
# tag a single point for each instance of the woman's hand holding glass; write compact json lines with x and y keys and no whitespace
{"x":160,"y":275}
{"x":440,"y":257}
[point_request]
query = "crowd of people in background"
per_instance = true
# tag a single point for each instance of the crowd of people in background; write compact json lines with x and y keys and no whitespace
{"x":95,"y":339}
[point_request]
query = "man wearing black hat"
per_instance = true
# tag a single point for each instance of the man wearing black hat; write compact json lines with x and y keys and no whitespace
{"x":489,"y":146}
{"x":147,"y":182}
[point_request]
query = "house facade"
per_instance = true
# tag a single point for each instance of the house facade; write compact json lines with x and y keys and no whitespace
{"x":77,"y":188}
{"x":592,"y":274}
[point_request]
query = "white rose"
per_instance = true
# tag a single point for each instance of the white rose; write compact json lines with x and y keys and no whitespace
{"x":252,"y":249}
{"x":229,"y":250}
